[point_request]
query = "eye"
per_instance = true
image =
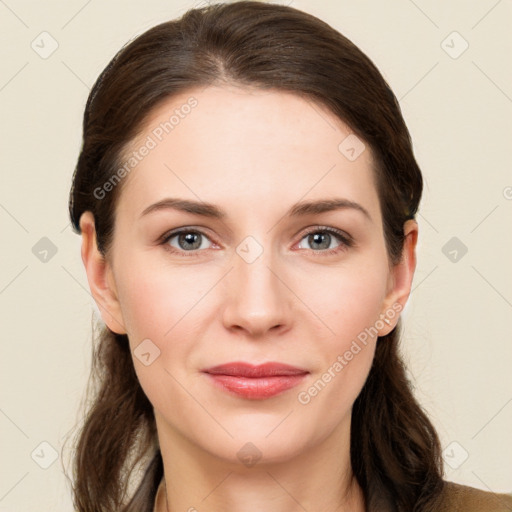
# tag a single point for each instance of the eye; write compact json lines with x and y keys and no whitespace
{"x":187,"y":241}
{"x":321,"y":238}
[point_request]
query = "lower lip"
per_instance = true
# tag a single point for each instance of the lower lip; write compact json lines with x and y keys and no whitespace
{"x":256,"y":388}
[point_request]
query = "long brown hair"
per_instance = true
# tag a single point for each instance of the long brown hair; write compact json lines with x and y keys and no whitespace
{"x":395,"y":451}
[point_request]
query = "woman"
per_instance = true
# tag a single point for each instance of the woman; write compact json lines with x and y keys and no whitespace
{"x":242,"y":366}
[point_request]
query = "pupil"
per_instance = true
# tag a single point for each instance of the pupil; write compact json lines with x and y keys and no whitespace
{"x":319,"y":238}
{"x":189,"y":239}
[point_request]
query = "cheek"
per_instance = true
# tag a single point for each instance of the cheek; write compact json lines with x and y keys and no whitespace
{"x":168,"y":307}
{"x":157,"y":305}
{"x":348,"y":301}
{"x":142,"y":304}
{"x":154,"y":300}
{"x":352,"y":311}
{"x":358,"y":307}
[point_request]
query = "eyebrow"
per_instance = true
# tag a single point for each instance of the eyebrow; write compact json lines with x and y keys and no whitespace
{"x":212,"y":211}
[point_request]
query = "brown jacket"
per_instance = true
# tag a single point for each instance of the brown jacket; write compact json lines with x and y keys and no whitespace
{"x":461,"y":498}
{"x":456,"y":498}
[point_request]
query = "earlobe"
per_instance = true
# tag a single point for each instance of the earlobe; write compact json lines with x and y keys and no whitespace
{"x":99,"y":276}
{"x":401,"y":278}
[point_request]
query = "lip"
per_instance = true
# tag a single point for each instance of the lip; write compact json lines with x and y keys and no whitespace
{"x":255,"y":382}
{"x":241,"y":369}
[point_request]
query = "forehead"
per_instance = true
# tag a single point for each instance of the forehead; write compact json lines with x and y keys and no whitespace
{"x":222,"y":143}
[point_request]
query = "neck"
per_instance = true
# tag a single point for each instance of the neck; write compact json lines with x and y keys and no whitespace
{"x":316,"y":478}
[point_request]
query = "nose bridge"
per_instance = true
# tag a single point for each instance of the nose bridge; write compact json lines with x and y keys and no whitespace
{"x":258,"y":300}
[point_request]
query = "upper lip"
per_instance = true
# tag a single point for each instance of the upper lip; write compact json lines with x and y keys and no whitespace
{"x":241,"y":369}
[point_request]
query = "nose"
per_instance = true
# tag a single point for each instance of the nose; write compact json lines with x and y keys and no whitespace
{"x":257,"y":300}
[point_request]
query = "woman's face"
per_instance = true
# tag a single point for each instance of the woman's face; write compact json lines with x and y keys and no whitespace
{"x":263,"y":280}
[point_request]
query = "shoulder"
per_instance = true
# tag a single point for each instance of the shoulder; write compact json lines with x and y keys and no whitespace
{"x":462,"y":498}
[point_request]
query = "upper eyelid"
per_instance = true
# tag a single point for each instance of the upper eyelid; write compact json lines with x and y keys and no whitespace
{"x":343,"y":236}
{"x":172,"y":233}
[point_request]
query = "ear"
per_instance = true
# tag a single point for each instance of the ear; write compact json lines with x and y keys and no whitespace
{"x":400,"y":280}
{"x":100,"y":276}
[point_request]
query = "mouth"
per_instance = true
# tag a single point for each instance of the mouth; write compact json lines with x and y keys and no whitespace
{"x":255,"y":382}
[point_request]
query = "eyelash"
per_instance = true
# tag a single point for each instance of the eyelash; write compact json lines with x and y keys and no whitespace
{"x":346,"y":241}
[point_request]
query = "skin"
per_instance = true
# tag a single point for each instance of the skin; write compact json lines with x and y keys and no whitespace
{"x":254,"y":154}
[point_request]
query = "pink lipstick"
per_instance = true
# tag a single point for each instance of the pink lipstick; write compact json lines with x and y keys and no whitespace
{"x":255,"y":382}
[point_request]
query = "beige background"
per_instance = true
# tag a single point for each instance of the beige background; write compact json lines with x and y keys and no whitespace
{"x":458,"y":322}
